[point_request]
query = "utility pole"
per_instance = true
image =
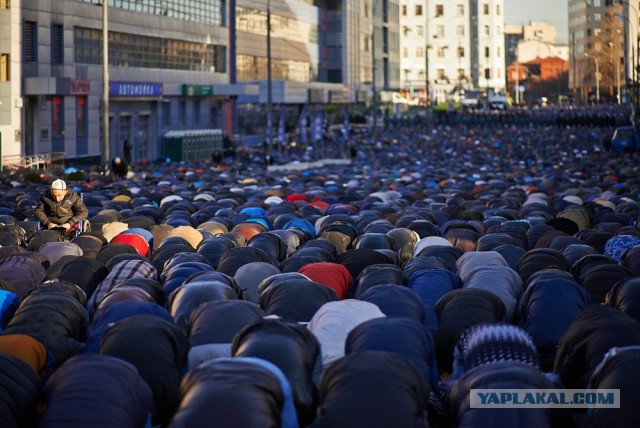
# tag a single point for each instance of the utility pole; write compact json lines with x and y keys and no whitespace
{"x":373,"y":70}
{"x":427,"y":97}
{"x":597,"y":76}
{"x":269,"y":88}
{"x":617,"y":61}
{"x":105,"y":83}
{"x":427,"y":101}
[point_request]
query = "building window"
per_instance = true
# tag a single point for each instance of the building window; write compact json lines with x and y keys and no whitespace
{"x":419,"y":30}
{"x":219,"y":59}
{"x":440,"y":74}
{"x":5,"y":4}
{"x":460,"y":30}
{"x":460,"y":52}
{"x":441,"y":52}
{"x":439,"y":32}
{"x":81,"y":116}
{"x":404,"y":10}
{"x":485,"y":9}
{"x":487,"y":73}
{"x":498,"y":52}
{"x":5,"y":65}
{"x":132,"y":50}
{"x":486,"y":52}
{"x":486,"y":30}
{"x":498,"y":9}
{"x":57,"y":44}
{"x":418,"y":10}
{"x":439,"y":10}
{"x":419,"y":52}
{"x":211,"y":12}
{"x":459,"y":10}
{"x":30,"y":41}
{"x":405,"y":53}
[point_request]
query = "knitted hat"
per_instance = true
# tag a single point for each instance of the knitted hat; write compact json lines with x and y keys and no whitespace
{"x":59,"y":185}
{"x":494,"y":342}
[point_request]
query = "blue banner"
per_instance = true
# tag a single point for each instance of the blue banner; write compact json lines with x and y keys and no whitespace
{"x":269,"y":127}
{"x":282,"y":135}
{"x":317,"y":126}
{"x":135,"y":89}
{"x":345,"y":125}
{"x":302,"y":125}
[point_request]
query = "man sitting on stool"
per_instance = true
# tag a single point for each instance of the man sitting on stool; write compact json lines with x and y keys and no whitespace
{"x":60,"y":208}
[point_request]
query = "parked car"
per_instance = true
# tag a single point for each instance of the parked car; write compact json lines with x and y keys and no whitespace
{"x":624,"y":140}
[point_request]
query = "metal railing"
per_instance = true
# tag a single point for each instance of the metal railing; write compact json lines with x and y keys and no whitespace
{"x":42,"y":161}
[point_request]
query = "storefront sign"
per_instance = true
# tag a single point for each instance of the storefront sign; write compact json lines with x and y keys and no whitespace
{"x":135,"y":89}
{"x":197,"y":90}
{"x":80,"y":87}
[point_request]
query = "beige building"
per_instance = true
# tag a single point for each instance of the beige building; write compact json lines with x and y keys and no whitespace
{"x":11,"y":101}
{"x":451,"y":45}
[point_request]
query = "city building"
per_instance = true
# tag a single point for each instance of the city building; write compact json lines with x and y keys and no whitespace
{"x":603,"y":35}
{"x":449,"y":46}
{"x":535,"y":40}
{"x":323,"y":53}
{"x":536,"y":62}
{"x":176,"y":65}
{"x":513,"y":35}
{"x":164,"y":58}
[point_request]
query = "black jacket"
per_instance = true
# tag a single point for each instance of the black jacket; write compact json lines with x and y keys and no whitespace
{"x":70,"y":210}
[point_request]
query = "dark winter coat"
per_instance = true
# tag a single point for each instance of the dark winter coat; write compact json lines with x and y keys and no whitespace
{"x":618,"y":370}
{"x":96,"y":391}
{"x":596,"y":330}
{"x":547,"y":308}
{"x":458,"y":310}
{"x":509,"y":375}
{"x":293,"y":349}
{"x":390,"y":392}
{"x":158,"y":349}
{"x":625,"y":296}
{"x":19,"y":394}
{"x":70,"y":210}
{"x":238,"y":392}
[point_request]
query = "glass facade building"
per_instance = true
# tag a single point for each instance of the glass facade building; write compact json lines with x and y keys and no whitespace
{"x":164,"y":58}
{"x":184,"y":64}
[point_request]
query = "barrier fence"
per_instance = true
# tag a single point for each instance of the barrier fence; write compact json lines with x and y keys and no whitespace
{"x":42,"y":161}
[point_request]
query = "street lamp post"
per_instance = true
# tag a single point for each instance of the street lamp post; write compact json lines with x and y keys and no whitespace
{"x":427,"y":101}
{"x":269,"y":86}
{"x":597,"y":76}
{"x":373,"y":70}
{"x":105,"y":83}
{"x":614,"y":58}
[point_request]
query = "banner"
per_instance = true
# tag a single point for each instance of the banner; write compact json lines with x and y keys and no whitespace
{"x":302,"y":125}
{"x":317,"y":126}
{"x":345,"y":124}
{"x":282,"y":135}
